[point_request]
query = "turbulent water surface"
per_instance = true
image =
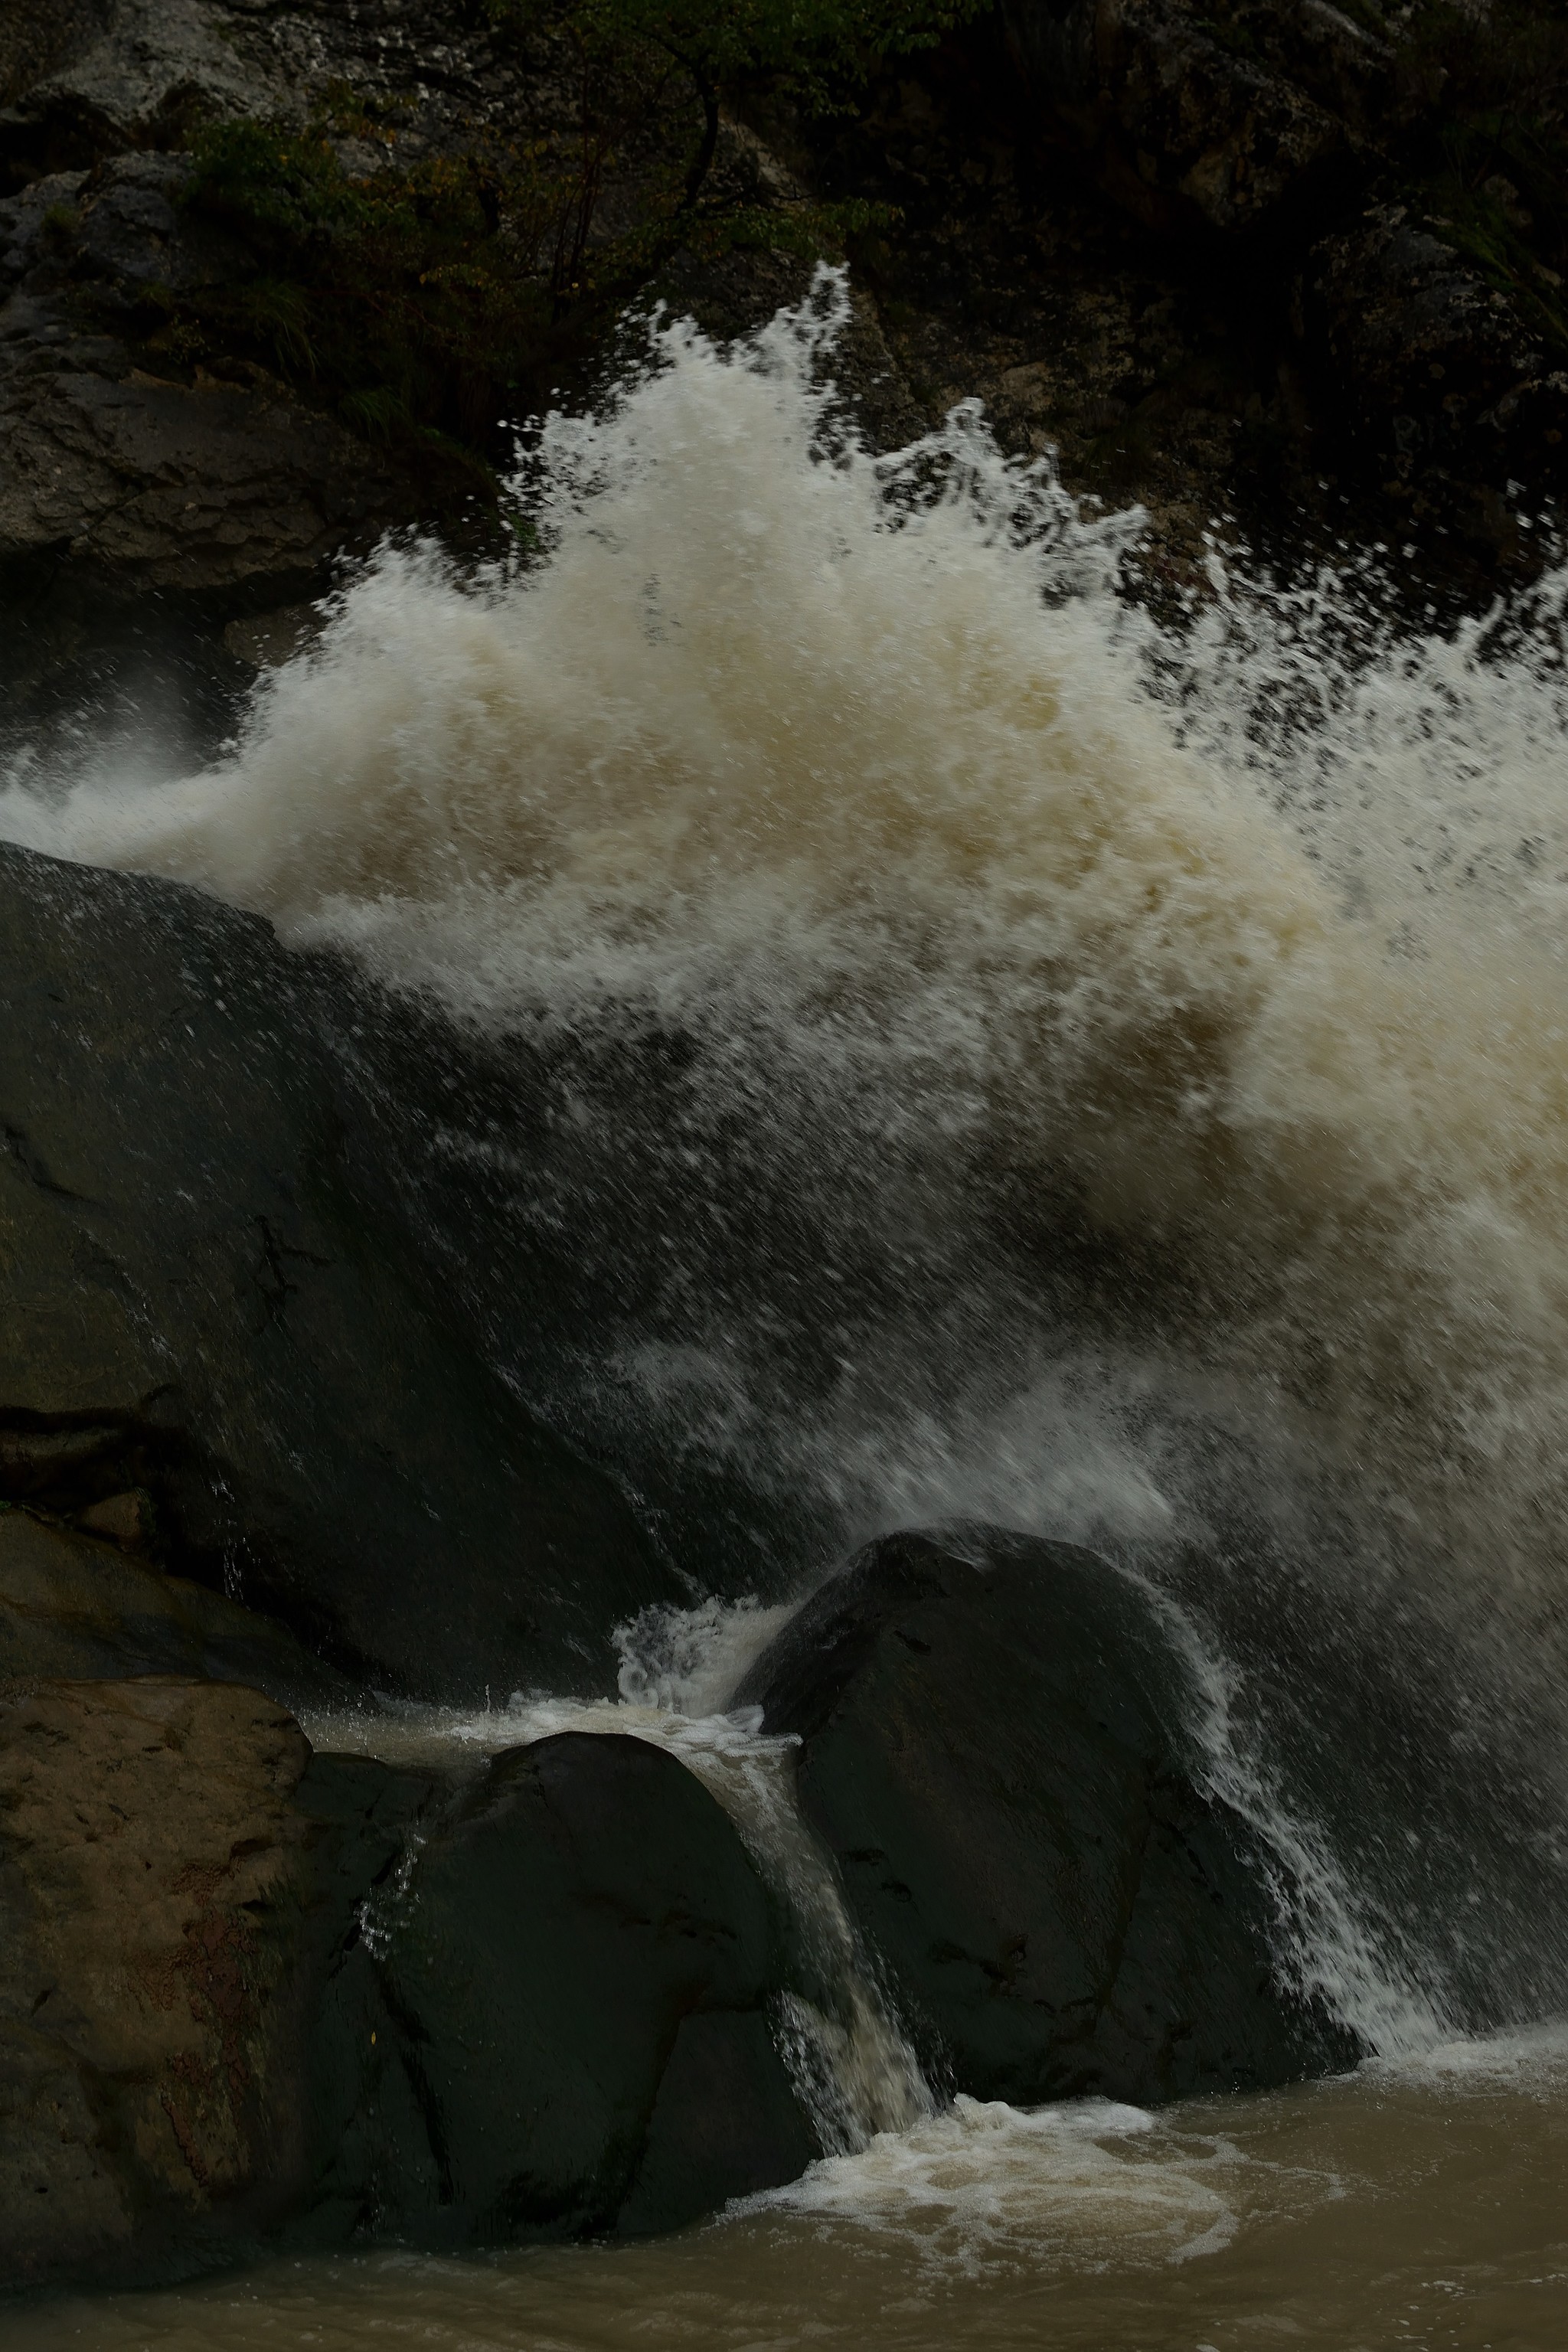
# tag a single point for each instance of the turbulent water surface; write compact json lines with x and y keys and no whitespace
{"x":1419,"y":2207}
{"x":980,"y":1052}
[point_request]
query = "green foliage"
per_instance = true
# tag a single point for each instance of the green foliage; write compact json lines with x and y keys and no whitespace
{"x":1488,"y":151}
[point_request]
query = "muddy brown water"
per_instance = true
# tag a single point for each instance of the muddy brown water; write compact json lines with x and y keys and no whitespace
{"x":1423,"y":2206}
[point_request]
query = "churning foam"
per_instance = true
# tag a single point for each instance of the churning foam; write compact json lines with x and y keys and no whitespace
{"x":779,"y":748}
{"x":983,"y":2184}
{"x":983,"y":909}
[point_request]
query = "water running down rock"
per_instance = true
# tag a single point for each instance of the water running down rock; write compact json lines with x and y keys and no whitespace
{"x":998,"y":1751}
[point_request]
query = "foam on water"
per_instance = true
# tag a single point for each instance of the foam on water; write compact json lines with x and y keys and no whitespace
{"x":1122,"y":1070}
{"x":983,"y":2183}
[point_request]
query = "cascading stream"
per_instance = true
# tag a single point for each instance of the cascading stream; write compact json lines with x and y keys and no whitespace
{"x":999,"y":1057}
{"x":845,"y":2051}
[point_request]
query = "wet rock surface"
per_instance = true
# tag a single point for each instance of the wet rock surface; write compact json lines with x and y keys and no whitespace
{"x":74,"y":1605}
{"x":569,"y":1988}
{"x":998,"y":1751}
{"x":248,"y":1994}
{"x":207,"y":1298}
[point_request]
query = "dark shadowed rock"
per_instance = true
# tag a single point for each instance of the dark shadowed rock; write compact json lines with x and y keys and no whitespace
{"x":999,"y":1754}
{"x":252,"y":1995}
{"x":1223,"y":117}
{"x":75,"y":1607}
{"x":219,"y":485}
{"x":205,"y":1295}
{"x":126,"y":73}
{"x":37,"y":36}
{"x":92,"y":79}
{"x":176,"y":1875}
{"x":572,"y":1983}
{"x":1435,"y":365}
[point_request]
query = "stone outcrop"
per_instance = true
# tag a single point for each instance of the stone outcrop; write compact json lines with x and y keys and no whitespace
{"x":210,"y":1292}
{"x":39,"y":37}
{"x":124,"y":470}
{"x":212,"y":486}
{"x":999,"y":1752}
{"x":1226,"y":117}
{"x":93,"y":78}
{"x":174,"y":1873}
{"x":560,"y":2012}
{"x":250,"y":1994}
{"x":1302,"y":150}
{"x":74,"y":1605}
{"x":1434,"y":362}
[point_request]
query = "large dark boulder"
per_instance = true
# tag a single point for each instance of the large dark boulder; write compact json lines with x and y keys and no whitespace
{"x":999,"y":1753}
{"x":251,"y":1996}
{"x":203,"y":1295}
{"x":570,"y":1998}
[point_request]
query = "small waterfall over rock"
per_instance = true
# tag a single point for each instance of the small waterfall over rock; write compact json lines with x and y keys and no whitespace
{"x":914,"y":1037}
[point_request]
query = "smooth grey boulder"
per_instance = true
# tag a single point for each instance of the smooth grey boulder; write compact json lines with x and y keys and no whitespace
{"x":562,"y":2012}
{"x":999,"y":1752}
{"x":198,"y":1272}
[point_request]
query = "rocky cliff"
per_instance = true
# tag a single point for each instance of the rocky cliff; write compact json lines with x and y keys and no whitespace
{"x":273,"y":276}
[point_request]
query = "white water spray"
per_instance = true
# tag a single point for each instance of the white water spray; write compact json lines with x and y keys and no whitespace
{"x":984,"y":912}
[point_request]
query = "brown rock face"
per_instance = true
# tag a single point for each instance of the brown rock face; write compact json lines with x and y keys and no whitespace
{"x":150,"y":1871}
